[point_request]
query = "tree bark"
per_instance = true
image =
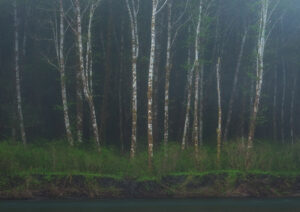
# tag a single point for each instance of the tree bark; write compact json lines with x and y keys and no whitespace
{"x":132,"y":11}
{"x":120,"y":91}
{"x":188,"y":104}
{"x":259,"y":70}
{"x":60,"y":50}
{"x":79,"y":107}
{"x":197,"y":76}
{"x":242,"y":118}
{"x":201,"y":105}
{"x":150,"y":82}
{"x":87,"y":94}
{"x":167,"y":77}
{"x":17,"y":72}
{"x":219,"y":129}
{"x":156,"y":72}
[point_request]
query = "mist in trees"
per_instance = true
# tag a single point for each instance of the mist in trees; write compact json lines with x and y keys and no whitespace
{"x":139,"y":74}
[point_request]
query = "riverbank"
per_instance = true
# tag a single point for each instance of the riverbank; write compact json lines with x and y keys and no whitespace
{"x":181,"y":185}
{"x":53,"y":170}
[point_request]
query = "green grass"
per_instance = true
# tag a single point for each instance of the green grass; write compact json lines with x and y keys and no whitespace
{"x":58,"y":158}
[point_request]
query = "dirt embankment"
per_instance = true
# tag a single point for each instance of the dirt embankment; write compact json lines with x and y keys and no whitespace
{"x":221,"y":184}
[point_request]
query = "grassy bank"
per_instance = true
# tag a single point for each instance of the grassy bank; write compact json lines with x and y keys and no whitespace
{"x":57,"y":157}
{"x":55,"y":170}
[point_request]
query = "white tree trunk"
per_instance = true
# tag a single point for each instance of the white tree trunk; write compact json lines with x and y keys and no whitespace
{"x":188,"y":98}
{"x":60,"y":50}
{"x":86,"y":91}
{"x":219,"y":129}
{"x":201,"y":105}
{"x":79,"y":106}
{"x":197,"y":78}
{"x":132,"y":11}
{"x":196,"y":109}
{"x":120,"y":92}
{"x":259,"y":70}
{"x":150,"y":82}
{"x":194,"y":70}
{"x":17,"y":72}
{"x":167,"y":79}
{"x":88,"y":56}
{"x":188,"y":108}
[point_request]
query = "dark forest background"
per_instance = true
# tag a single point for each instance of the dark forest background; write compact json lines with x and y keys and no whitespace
{"x":224,"y":25}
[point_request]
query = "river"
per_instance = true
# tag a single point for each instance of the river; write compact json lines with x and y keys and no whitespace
{"x":174,"y":205}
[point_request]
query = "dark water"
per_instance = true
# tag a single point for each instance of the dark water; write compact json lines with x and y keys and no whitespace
{"x":203,"y":205}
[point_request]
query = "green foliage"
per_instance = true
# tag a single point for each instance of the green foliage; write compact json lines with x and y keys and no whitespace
{"x":58,"y":157}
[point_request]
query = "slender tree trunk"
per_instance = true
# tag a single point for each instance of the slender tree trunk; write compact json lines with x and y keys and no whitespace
{"x":252,"y":93}
{"x":194,"y":70}
{"x":17,"y":72}
{"x":188,"y":105}
{"x":197,"y":76}
{"x":283,"y":104}
{"x":132,"y":11}
{"x":14,"y":121}
{"x":79,"y":107}
{"x":259,"y":71}
{"x":292,"y":109}
{"x":201,"y":105}
{"x":234,"y":87}
{"x":275,"y":106}
{"x":120,"y":92}
{"x":84,"y":80}
{"x":168,"y":72}
{"x":219,"y":129}
{"x":88,"y":56}
{"x":196,"y":102}
{"x":62,"y":75}
{"x":150,"y":82}
{"x":158,"y":56}
{"x":242,"y":117}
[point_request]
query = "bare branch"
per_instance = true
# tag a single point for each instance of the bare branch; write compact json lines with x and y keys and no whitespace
{"x":163,"y":5}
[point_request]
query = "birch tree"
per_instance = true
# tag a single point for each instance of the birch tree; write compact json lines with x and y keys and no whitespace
{"x":264,"y":21}
{"x":120,"y":90}
{"x":133,"y":10}
{"x":197,"y":78}
{"x":79,"y":106}
{"x":194,"y":71}
{"x":188,"y":101}
{"x":17,"y":74}
{"x":168,"y":71}
{"x":157,"y":6}
{"x":173,"y":28}
{"x":219,"y":129}
{"x":85,"y":67}
{"x":59,"y":38}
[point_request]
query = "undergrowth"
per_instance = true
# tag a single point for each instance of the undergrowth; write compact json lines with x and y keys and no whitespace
{"x":58,"y":157}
